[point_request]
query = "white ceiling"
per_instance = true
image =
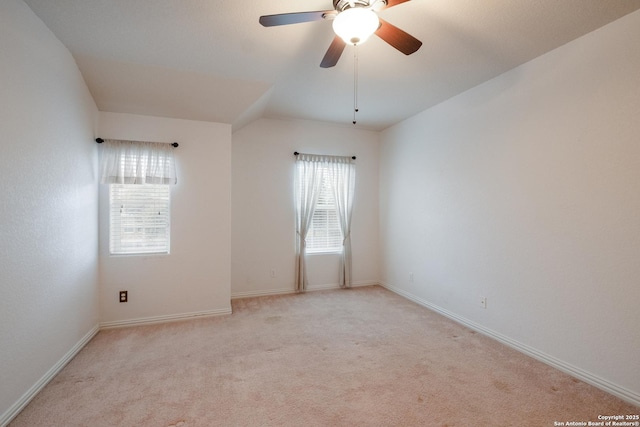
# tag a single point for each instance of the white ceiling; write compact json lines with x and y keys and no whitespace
{"x":211,"y":60}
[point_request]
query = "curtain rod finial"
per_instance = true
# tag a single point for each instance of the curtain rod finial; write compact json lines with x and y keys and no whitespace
{"x":295,"y":153}
{"x":175,"y":145}
{"x":99,"y":140}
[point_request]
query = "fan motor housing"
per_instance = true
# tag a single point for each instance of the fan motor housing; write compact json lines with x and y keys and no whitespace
{"x":341,"y":5}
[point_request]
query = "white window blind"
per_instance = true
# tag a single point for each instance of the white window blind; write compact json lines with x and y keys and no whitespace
{"x":325,"y":234}
{"x":139,"y":219}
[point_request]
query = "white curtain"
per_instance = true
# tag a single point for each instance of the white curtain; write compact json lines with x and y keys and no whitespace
{"x":308,"y":180}
{"x":310,"y":172}
{"x":137,"y":162}
{"x":342,"y":173}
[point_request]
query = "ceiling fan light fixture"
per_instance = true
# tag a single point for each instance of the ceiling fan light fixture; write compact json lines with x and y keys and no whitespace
{"x":355,"y":25}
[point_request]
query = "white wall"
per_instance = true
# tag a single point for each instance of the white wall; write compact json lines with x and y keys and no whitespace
{"x":48,"y":208}
{"x":263,"y":226}
{"x":194,"y":279}
{"x":526,"y":190}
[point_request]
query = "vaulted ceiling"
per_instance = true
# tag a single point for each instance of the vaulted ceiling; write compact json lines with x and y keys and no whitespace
{"x":211,"y":60}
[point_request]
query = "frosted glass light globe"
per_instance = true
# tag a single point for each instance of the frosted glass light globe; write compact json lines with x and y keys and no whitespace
{"x":356,"y":24}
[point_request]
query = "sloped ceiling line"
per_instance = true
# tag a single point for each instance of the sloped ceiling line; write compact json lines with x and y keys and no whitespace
{"x":211,"y":60}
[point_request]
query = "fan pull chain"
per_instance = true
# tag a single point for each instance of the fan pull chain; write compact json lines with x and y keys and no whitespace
{"x":355,"y":82}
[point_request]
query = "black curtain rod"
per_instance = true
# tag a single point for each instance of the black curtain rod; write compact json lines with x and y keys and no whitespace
{"x":100,"y":141}
{"x":295,"y":153}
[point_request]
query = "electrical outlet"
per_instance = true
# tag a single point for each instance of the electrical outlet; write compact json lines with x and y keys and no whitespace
{"x":411,"y":277}
{"x":124,"y":297}
{"x":483,"y":302}
{"x":273,"y":272}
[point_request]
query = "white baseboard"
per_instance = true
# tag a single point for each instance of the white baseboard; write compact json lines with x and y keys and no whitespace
{"x":614,"y":389}
{"x":18,"y":406}
{"x":15,"y":409}
{"x":163,"y":319}
{"x":251,"y":294}
{"x":589,"y":378}
{"x":284,"y":291}
{"x":35,"y":389}
{"x":337,"y":286}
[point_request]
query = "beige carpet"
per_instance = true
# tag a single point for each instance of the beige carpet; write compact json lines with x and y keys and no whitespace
{"x":360,"y":357}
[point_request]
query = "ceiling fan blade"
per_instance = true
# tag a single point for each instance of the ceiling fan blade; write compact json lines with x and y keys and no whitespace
{"x":391,"y":3}
{"x":397,"y":38}
{"x":333,"y":53}
{"x":294,"y":18}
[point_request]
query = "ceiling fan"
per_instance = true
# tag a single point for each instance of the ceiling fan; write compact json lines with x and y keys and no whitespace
{"x":353,"y":22}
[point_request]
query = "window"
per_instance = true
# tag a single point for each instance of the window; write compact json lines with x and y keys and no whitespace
{"x":139,"y":219}
{"x":324,"y":234}
{"x":323,"y":194}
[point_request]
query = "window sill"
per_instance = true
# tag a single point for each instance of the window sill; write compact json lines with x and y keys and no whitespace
{"x":325,"y":253}
{"x":146,"y":254}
